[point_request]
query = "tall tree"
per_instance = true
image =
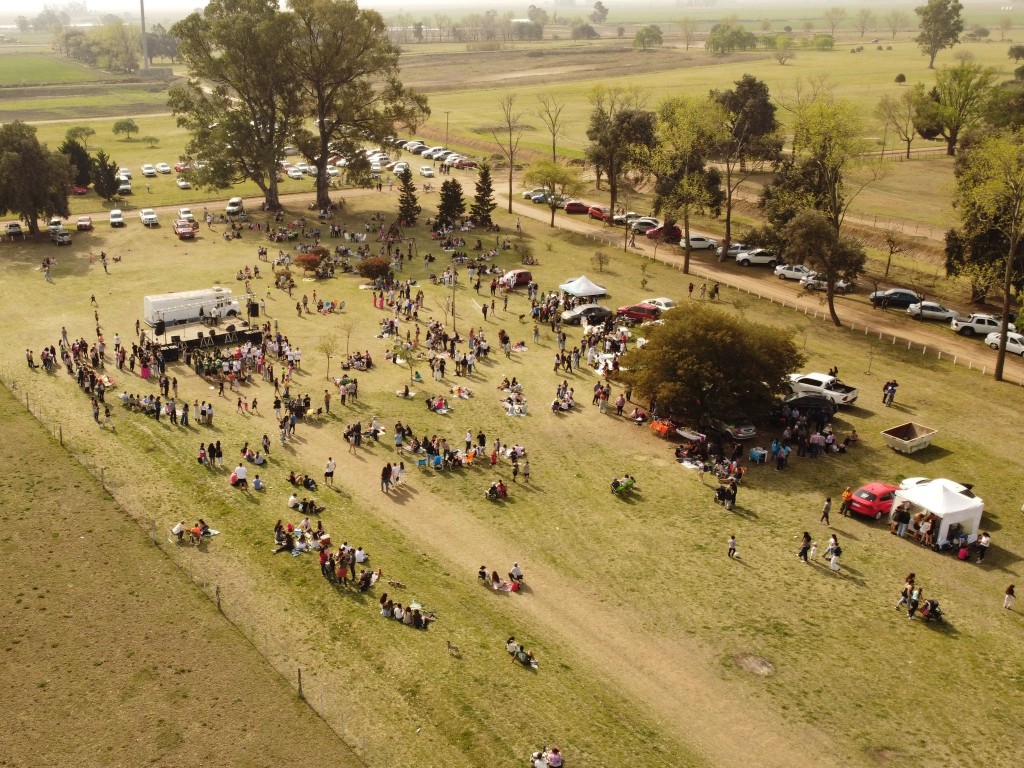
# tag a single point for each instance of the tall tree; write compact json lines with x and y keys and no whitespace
{"x":619,"y":130}
{"x":863,"y":20}
{"x":81,"y":162}
{"x":752,"y":138}
{"x":895,"y":20}
{"x":688,"y":128}
{"x":452,"y":204}
{"x":826,"y":172}
{"x":240,"y":104}
{"x":34,"y":181}
{"x":688,"y":30}
{"x":956,"y":103}
{"x":507,"y":134}
{"x":550,"y":113}
{"x":833,"y":16}
{"x":126,"y":127}
{"x":483,"y":199}
{"x":80,"y":133}
{"x":561,"y":181}
{"x":990,"y":187}
{"x":347,"y":71}
{"x":648,"y":37}
{"x":23,"y":24}
{"x":941,"y":26}
{"x":814,"y":241}
{"x":104,"y":176}
{"x":600,"y":13}
{"x":702,"y":364}
{"x":898,"y":113}
{"x":408,"y":208}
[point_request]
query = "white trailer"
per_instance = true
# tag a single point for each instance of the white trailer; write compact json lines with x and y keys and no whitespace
{"x":189,"y":306}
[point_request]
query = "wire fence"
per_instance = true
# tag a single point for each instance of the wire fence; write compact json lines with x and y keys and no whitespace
{"x":319,"y":687}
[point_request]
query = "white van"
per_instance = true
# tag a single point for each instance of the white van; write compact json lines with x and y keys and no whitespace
{"x":235,"y":206}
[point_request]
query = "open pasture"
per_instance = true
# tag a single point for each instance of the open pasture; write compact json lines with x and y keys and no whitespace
{"x":643,"y":627}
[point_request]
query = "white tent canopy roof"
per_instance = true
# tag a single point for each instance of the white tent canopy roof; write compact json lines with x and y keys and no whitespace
{"x":583,"y":286}
{"x":950,"y":502}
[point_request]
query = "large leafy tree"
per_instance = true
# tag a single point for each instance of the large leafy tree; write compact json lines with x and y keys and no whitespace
{"x":483,"y":199}
{"x":452,"y":203}
{"x":957,"y":102}
{"x":826,"y":173}
{"x":80,"y":133}
{"x":80,"y":160}
{"x":126,"y":126}
{"x":346,"y":68}
{"x":751,"y":140}
{"x":813,"y":240}
{"x":941,"y":26}
{"x":561,"y":181}
{"x":240,"y":104}
{"x":688,"y":128}
{"x":33,"y":180}
{"x":408,"y":208}
{"x":104,"y":176}
{"x":621,"y":133}
{"x":703,"y":364}
{"x":990,"y":191}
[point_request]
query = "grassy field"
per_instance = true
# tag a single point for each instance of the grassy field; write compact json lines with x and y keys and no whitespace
{"x":100,"y":626}
{"x":40,"y":69}
{"x":641,"y":623}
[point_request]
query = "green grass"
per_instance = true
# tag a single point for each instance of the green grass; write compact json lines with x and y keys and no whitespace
{"x":612,"y":580}
{"x":40,"y":69}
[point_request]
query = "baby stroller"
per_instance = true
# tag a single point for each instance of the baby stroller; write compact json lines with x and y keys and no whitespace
{"x":930,"y":610}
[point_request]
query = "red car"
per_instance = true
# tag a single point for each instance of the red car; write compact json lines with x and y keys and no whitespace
{"x":641,"y":313}
{"x":179,"y":167}
{"x":183,"y":229}
{"x":873,"y":500}
{"x":600,"y":212}
{"x":463,"y":163}
{"x":575,"y":206}
{"x":675,"y":234}
{"x":78,"y":190}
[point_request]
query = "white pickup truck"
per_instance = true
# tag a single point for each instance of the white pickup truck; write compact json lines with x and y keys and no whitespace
{"x":977,"y":325}
{"x":823,"y":384}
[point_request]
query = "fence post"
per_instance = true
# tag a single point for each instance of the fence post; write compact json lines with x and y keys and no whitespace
{"x":60,"y":432}
{"x":216,"y":593}
{"x":301,"y":696}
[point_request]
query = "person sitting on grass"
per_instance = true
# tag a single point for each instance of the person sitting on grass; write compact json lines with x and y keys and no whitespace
{"x":293,"y":501}
{"x":179,"y":531}
{"x":257,"y":484}
{"x":482,"y":574}
{"x":492,"y":492}
{"x":511,"y":646}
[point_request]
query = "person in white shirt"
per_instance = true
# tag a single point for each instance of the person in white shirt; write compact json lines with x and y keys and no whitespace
{"x":329,"y":470}
{"x":293,"y":501}
{"x":179,"y":530}
{"x":361,"y":556}
{"x":241,"y":473}
{"x":516,"y":574}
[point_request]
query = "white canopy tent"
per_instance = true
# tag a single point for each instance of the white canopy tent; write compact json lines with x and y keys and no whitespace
{"x":583,"y":287}
{"x":951,"y":502}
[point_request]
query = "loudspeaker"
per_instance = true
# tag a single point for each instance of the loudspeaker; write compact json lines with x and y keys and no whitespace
{"x":160,"y":328}
{"x":254,"y":309}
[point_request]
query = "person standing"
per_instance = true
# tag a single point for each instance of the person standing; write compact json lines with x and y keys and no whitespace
{"x":805,"y":546}
{"x":526,"y":471}
{"x":908,"y":587}
{"x":844,"y":507}
{"x":385,"y":478}
{"x":983,"y":544}
{"x":1008,"y":598}
{"x":732,"y":545}
{"x":469,"y":441}
{"x":329,"y":470}
{"x":327,"y":402}
{"x":914,"y":601}
{"x":515,"y":469}
{"x":825,"y":510}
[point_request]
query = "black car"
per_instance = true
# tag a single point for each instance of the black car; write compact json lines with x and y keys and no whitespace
{"x":590,"y":314}
{"x":896,"y":298}
{"x":809,"y":404}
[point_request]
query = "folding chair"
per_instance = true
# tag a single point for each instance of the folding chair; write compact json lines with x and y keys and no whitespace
{"x":438,"y":461}
{"x":422,"y":463}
